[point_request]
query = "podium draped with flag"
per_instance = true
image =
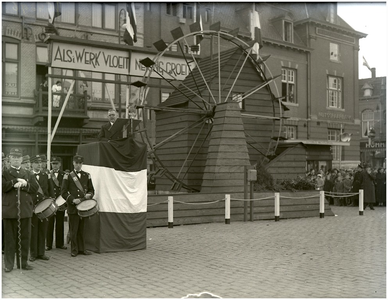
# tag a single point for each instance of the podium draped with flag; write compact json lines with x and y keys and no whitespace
{"x":119,"y":175}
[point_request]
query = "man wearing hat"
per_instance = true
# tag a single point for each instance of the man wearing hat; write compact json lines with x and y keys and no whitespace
{"x":77,"y":186}
{"x":26,"y":163}
{"x":18,"y":185}
{"x":56,"y":177}
{"x":44,"y":164}
{"x":39,"y":227}
{"x":356,"y":185}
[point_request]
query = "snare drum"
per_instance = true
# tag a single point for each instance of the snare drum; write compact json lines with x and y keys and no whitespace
{"x":61,"y":203}
{"x":87,"y":208}
{"x":45,"y":209}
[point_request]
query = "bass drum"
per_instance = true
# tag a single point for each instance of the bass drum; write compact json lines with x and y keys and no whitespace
{"x":87,"y":208}
{"x":45,"y":209}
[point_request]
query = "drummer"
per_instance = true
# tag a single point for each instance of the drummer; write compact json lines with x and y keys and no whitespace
{"x":39,"y":227}
{"x":14,"y":178}
{"x":26,"y":163}
{"x":76,"y":187}
{"x":58,"y":219}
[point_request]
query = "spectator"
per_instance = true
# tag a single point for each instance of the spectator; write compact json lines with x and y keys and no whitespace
{"x":380,"y":187}
{"x":57,"y":88}
{"x":356,"y":186}
{"x":338,"y":188}
{"x":328,"y":187}
{"x":348,"y":189}
{"x":319,"y":183}
{"x":368,"y":186}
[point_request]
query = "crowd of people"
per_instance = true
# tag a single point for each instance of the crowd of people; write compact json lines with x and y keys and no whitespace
{"x":27,"y":184}
{"x":340,"y":186}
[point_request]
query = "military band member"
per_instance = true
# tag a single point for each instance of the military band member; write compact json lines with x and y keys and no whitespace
{"x":12,"y":179}
{"x":26,"y":163}
{"x":77,"y":186}
{"x":56,"y":177}
{"x":44,"y":164}
{"x":39,"y":227}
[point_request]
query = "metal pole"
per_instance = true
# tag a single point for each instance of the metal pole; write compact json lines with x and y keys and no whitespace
{"x":245,"y":194}
{"x":251,"y":202}
{"x":361,"y":202}
{"x":277,"y":207}
{"x":227,"y":209}
{"x":321,"y":204}
{"x":49,"y":108}
{"x":170,"y":211}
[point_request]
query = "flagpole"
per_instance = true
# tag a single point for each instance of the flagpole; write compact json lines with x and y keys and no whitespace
{"x":49,"y":108}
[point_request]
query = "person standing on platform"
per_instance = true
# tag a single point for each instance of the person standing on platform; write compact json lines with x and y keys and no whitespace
{"x":368,"y":185}
{"x":17,"y":184}
{"x":56,"y":177}
{"x":39,"y":227}
{"x":111,"y":130}
{"x":77,"y":186}
{"x":56,"y":88}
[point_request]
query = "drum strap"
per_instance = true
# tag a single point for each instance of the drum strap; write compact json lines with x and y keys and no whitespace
{"x":55,"y":179}
{"x":76,"y":181}
{"x":40,"y":191}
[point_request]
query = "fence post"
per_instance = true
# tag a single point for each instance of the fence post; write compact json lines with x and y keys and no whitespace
{"x":277,"y":207}
{"x":361,"y":202}
{"x":321,"y":204}
{"x":170,"y":211}
{"x":227,"y":209}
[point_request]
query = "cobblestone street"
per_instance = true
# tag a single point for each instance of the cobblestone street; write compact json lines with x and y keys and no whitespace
{"x":337,"y":257}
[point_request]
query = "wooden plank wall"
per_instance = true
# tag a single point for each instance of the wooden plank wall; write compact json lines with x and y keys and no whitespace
{"x":210,"y":208}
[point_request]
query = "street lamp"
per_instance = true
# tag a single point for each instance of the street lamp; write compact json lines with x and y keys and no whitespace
{"x":371,"y":137}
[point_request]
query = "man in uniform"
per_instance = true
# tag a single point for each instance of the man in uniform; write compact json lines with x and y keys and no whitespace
{"x":39,"y":227}
{"x":26,"y":163}
{"x":56,"y":177}
{"x":77,"y":186}
{"x":17,"y":184}
{"x":357,"y":181}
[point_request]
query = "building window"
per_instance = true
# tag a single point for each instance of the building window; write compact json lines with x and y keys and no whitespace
{"x":334,"y":52}
{"x":164,"y":96}
{"x":290,"y":132}
{"x":104,"y":16}
{"x":334,"y":135}
{"x":42,"y":10}
{"x":288,"y":32}
{"x":103,"y":92}
{"x":368,"y":122}
{"x":11,"y":8}
{"x":67,"y":13}
{"x":188,"y":11}
{"x":289,"y":85}
{"x":207,"y":15}
{"x":334,"y":93}
{"x":11,"y":58}
{"x":42,"y":55}
{"x":172,"y":9}
{"x":237,"y":97}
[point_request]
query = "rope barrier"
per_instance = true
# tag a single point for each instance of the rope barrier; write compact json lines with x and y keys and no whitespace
{"x":202,"y":203}
{"x":340,"y":195}
{"x":153,"y":204}
{"x":304,"y":197}
{"x":267,"y":198}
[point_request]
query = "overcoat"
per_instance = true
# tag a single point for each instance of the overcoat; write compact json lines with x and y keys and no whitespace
{"x":368,"y":185}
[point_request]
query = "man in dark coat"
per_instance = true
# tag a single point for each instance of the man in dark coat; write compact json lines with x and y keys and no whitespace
{"x":356,"y":186}
{"x":56,"y":177}
{"x":39,"y":227}
{"x":112,"y":130}
{"x":77,"y":186}
{"x":368,"y":185}
{"x":13,"y":179}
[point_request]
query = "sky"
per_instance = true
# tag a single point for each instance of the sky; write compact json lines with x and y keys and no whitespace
{"x":369,"y":18}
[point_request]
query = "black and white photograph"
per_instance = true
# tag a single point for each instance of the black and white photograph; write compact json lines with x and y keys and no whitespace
{"x":194,"y":149}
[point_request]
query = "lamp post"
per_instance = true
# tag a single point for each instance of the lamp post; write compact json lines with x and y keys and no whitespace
{"x":371,"y":137}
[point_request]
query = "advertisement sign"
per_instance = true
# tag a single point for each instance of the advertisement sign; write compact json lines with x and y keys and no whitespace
{"x":89,"y":58}
{"x":169,"y":67}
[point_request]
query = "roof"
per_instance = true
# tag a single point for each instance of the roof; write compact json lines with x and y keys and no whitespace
{"x":378,"y":84}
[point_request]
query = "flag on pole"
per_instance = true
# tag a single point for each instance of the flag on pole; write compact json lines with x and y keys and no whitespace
{"x":256,"y":33}
{"x":130,"y":34}
{"x":199,"y":37}
{"x":365,"y":63}
{"x":54,"y":10}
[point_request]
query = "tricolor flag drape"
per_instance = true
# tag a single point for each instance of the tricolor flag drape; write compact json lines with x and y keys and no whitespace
{"x":365,"y":63}
{"x":130,"y":33}
{"x":54,"y":10}
{"x":119,"y":175}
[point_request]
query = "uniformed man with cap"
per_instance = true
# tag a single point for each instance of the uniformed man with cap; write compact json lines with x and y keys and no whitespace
{"x":14,"y":179}
{"x":44,"y":164}
{"x":56,"y":177}
{"x":39,"y":227}
{"x":77,"y":186}
{"x":26,"y":163}
{"x":356,"y":185}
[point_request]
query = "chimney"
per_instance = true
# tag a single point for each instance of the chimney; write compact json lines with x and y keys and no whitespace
{"x":373,"y":70}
